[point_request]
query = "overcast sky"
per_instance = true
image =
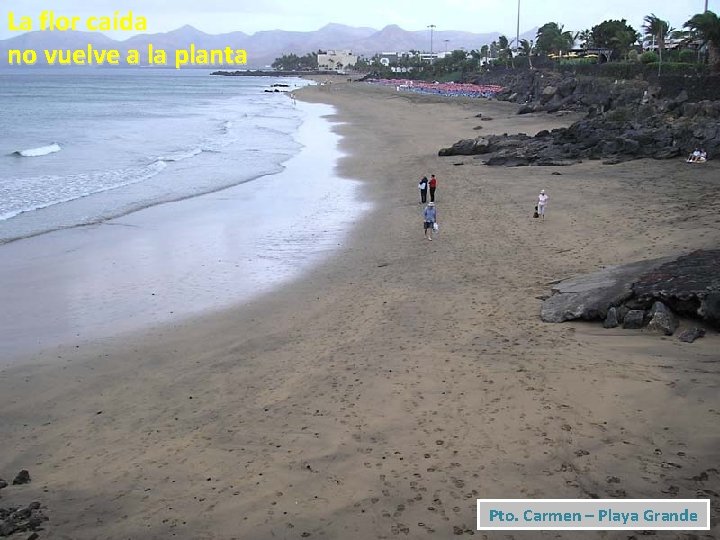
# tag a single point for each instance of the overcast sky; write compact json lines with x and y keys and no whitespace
{"x":218,"y":16}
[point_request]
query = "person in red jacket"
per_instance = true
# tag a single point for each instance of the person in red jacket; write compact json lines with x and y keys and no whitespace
{"x":433,"y":185}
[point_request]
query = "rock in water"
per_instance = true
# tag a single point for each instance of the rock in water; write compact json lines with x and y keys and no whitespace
{"x":662,"y":320}
{"x":691,"y":334}
{"x":634,"y":319}
{"x":611,"y":321}
{"x":23,"y":477}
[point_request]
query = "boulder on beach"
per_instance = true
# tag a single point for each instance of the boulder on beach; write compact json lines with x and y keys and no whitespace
{"x":23,"y":477}
{"x":688,"y":285}
{"x":662,"y":320}
{"x":589,"y":297}
{"x":611,"y":320}
{"x":634,"y":319}
{"x":691,"y":334}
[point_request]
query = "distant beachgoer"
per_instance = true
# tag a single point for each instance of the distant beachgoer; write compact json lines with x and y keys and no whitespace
{"x":703,"y":156}
{"x":695,"y":156}
{"x":430,"y":218}
{"x":541,"y":202}
{"x":423,"y":186}
{"x":433,"y":185}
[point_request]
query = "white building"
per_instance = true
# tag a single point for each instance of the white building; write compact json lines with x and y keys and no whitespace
{"x":336,"y":60}
{"x":389,"y":58}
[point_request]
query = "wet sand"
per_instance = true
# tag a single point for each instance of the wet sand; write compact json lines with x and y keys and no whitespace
{"x":179,"y":259}
{"x":383,"y":393}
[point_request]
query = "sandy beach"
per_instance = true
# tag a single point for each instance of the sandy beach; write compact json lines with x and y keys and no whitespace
{"x":382,"y":393}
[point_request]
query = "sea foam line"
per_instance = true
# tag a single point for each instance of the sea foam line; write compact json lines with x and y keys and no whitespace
{"x":39,"y":151}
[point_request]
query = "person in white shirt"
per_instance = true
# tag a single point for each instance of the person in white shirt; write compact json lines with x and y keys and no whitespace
{"x":541,"y":202}
{"x":695,"y":156}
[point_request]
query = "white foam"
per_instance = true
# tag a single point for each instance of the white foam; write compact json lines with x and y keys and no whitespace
{"x":40,"y":151}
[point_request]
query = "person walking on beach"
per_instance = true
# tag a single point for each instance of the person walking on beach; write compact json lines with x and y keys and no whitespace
{"x":541,"y":202}
{"x":433,"y":186}
{"x":423,"y":186}
{"x":430,"y":218}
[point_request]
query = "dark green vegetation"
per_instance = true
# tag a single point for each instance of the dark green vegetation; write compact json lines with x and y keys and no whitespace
{"x":611,"y":48}
{"x":293,"y":62}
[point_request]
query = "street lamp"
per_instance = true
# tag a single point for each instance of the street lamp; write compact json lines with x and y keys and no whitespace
{"x":431,"y":27}
{"x":517,"y":32}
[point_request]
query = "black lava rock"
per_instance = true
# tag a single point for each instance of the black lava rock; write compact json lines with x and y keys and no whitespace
{"x":23,"y":477}
{"x":634,"y":319}
{"x":691,"y":334}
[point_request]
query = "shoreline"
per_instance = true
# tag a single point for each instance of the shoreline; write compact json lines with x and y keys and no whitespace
{"x":384,"y":391}
{"x":157,"y":174}
{"x":231,"y":231}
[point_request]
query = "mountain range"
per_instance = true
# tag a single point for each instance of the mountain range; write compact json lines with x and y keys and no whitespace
{"x":262,"y":47}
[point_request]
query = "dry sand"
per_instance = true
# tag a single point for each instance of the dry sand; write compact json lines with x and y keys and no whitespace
{"x":386,"y":391}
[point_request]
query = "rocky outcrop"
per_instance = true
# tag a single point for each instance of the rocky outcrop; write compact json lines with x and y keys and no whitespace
{"x":689,"y":285}
{"x":589,"y":297}
{"x":651,"y":130}
{"x":18,"y":519}
{"x":547,"y":90}
{"x":550,"y":91}
{"x":14,"y":520}
{"x":651,"y":292}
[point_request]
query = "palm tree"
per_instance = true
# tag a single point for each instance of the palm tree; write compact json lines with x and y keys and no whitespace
{"x":707,"y":27}
{"x":527,"y":49}
{"x":586,"y":37}
{"x":505,"y":51}
{"x":484,"y":52}
{"x":658,"y":30}
{"x":553,"y":38}
{"x":494,"y":49}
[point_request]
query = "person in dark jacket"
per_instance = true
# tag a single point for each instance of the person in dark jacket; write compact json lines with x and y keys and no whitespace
{"x":423,"y":187}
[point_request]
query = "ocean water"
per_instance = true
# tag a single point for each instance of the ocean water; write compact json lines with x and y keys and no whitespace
{"x":81,"y":147}
{"x":135,"y":199}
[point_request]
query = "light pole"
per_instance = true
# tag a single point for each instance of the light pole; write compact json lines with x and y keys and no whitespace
{"x":706,"y":4}
{"x":517,"y":31}
{"x":431,"y":27}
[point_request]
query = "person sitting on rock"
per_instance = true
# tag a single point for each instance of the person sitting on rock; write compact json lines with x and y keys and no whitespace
{"x":695,"y":156}
{"x":703,"y":156}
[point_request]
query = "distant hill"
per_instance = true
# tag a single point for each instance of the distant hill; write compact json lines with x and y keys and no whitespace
{"x":263,"y":47}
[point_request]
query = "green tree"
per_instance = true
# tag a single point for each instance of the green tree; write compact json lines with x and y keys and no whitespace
{"x":504,"y":51}
{"x":706,"y":27}
{"x":657,"y":31}
{"x":476,"y":61}
{"x":618,"y":36}
{"x":494,"y":49}
{"x":526,"y":47}
{"x":552,"y":38}
{"x":485,"y":52}
{"x":586,"y":37}
{"x":293,"y":62}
